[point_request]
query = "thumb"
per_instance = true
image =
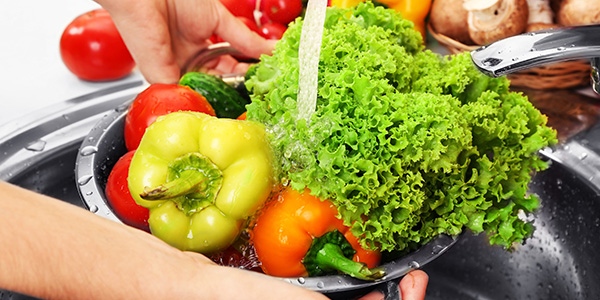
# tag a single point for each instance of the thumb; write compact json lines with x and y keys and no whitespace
{"x":414,"y":285}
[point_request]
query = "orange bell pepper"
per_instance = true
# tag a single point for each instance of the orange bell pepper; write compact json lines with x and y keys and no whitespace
{"x":345,"y":3}
{"x":412,"y":10}
{"x":285,"y":229}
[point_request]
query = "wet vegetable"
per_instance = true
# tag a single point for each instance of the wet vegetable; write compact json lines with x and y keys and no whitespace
{"x":298,"y":234}
{"x":201,"y":177}
{"x":119,"y":197}
{"x":158,"y":100}
{"x":406,"y":143}
{"x":223,"y":98}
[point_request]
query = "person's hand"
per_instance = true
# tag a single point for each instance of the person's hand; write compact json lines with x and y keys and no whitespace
{"x":162,"y":35}
{"x":412,"y":287}
{"x":55,"y":250}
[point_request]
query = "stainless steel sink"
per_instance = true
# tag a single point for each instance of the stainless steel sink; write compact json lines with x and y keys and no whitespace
{"x":560,"y":261}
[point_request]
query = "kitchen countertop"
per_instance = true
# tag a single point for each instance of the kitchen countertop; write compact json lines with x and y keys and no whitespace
{"x":33,"y":75}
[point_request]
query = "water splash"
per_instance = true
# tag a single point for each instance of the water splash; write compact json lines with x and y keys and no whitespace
{"x":83,"y":180}
{"x":88,"y":150}
{"x":36,"y":146}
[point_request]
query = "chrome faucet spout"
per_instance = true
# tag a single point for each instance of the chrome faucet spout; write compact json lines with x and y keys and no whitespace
{"x":596,"y":74}
{"x":538,"y":48}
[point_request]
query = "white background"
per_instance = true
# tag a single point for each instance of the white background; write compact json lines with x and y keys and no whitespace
{"x":32,"y":74}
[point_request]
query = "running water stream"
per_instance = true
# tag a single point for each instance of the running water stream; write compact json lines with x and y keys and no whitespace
{"x":309,"y":52}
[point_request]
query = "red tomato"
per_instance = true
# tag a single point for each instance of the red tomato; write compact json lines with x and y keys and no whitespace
{"x":281,"y":11}
{"x":272,"y":31}
{"x":215,"y":39}
{"x":119,"y":197}
{"x":92,"y":48}
{"x":155,"y":101}
{"x":243,"y":8}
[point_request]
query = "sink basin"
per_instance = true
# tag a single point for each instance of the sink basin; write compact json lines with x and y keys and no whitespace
{"x":558,"y":262}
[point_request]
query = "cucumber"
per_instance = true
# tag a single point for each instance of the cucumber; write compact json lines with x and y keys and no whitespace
{"x":224,"y":99}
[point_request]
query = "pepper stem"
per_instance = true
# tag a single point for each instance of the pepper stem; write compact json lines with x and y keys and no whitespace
{"x":193,"y":182}
{"x":332,"y":252}
{"x":331,"y":257}
{"x":186,"y":183}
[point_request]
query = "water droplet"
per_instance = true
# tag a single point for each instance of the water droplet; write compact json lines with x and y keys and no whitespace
{"x":89,"y":193}
{"x":437,"y":249}
{"x":532,"y":50}
{"x":36,"y":146}
{"x":561,"y":48}
{"x":515,"y":59}
{"x":301,"y":280}
{"x":413,"y":264}
{"x":93,"y":208}
{"x":84,"y":179}
{"x":583,"y":156}
{"x":66,"y":117}
{"x":532,"y":33}
{"x":88,"y":150}
{"x":320,"y":284}
{"x":122,"y":108}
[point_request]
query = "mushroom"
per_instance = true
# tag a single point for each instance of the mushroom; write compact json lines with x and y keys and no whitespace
{"x":449,"y":18}
{"x":540,"y":26}
{"x":492,"y":20}
{"x":578,"y":12}
{"x":540,"y":12}
{"x":541,"y":15}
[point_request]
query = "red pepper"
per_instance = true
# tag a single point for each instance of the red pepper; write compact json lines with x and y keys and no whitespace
{"x":285,"y":229}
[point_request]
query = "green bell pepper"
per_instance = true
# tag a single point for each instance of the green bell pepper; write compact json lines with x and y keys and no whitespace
{"x":201,"y":178}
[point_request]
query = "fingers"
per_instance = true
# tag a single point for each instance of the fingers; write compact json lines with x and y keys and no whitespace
{"x":374,"y":295}
{"x":144,"y":27}
{"x":414,"y":285}
{"x":226,"y":65}
{"x":242,"y":38}
{"x":162,"y":38}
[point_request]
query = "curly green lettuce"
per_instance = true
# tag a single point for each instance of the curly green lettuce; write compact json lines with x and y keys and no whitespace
{"x":408,"y":144}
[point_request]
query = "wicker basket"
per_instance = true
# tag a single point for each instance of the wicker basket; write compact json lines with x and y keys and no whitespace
{"x":563,"y":75}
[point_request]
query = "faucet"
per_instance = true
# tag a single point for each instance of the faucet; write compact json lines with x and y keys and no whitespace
{"x":532,"y":49}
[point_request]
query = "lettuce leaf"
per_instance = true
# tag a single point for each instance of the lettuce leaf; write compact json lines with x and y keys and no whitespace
{"x":408,"y":144}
